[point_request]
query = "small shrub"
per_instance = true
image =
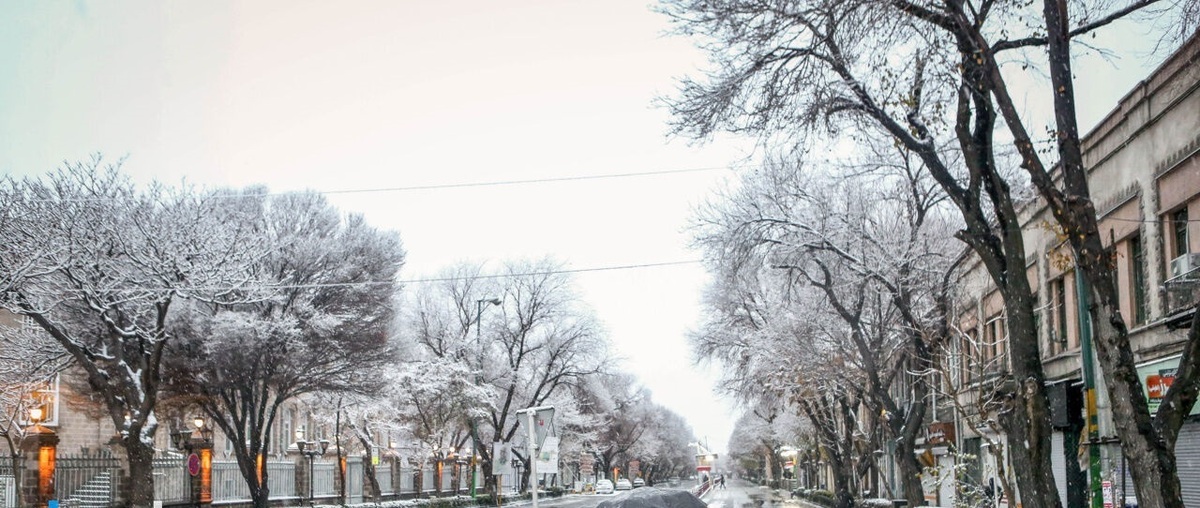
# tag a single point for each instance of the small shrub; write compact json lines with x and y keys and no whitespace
{"x":823,"y":497}
{"x":875,"y":502}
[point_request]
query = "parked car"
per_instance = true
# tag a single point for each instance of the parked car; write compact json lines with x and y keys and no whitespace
{"x":638,"y":482}
{"x":673,"y":481}
{"x":604,"y":487}
{"x":623,"y":484}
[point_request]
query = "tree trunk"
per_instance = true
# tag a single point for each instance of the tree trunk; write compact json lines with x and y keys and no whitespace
{"x":842,"y":482}
{"x":1025,"y":416}
{"x":18,"y":471}
{"x":910,"y":473}
{"x":140,"y":456}
{"x":251,"y":470}
{"x":373,"y":490}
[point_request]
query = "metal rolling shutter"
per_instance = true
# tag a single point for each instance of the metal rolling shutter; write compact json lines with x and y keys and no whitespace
{"x":1187,"y":462}
{"x":1058,"y":463}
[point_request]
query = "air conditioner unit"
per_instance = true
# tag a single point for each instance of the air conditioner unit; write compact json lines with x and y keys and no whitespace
{"x":1184,"y":266}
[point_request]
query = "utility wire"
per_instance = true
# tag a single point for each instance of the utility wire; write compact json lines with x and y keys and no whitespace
{"x":460,"y":185}
{"x":417,"y":281}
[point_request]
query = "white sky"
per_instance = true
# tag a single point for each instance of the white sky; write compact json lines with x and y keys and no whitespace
{"x":360,"y":95}
{"x":370,"y":95}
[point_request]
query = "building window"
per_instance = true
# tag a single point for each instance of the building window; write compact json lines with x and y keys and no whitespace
{"x":1058,"y":325}
{"x":1137,"y":276}
{"x":1001,"y":341}
{"x":1179,"y":230}
{"x":1037,"y":316}
{"x":967,"y":356}
{"x":286,"y":436}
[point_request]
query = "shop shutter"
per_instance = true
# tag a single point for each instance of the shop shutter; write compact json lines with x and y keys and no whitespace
{"x":1187,"y":462}
{"x":1058,"y":463}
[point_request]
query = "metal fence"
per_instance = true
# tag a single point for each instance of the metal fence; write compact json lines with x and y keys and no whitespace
{"x":427,"y":484}
{"x":355,"y":473}
{"x":87,"y":481}
{"x":229,"y":485}
{"x":227,"y":482}
{"x":172,"y":483}
{"x":383,"y":475}
{"x":408,"y":480}
{"x":323,"y":479}
{"x":8,"y":491}
{"x":281,"y":479}
{"x":94,"y":481}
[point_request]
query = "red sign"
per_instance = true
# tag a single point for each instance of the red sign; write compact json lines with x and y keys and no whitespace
{"x":703,"y":468}
{"x":1157,"y":384}
{"x":193,"y":464}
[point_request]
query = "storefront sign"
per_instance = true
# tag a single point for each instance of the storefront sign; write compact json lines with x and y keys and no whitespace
{"x":1157,"y":378}
{"x":940,"y":433}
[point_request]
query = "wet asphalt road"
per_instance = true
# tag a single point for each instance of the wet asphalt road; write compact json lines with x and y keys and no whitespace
{"x":737,"y":494}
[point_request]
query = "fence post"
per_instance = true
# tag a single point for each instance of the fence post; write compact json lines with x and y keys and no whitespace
{"x":302,"y":478}
{"x":397,"y":470}
{"x":42,"y":443}
{"x":205,"y":449}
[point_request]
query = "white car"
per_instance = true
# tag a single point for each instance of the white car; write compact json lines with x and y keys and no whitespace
{"x":638,"y":482}
{"x":604,"y":487}
{"x":623,"y":484}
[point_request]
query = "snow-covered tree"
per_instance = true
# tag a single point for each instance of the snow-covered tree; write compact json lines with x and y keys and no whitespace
{"x":100,"y":265}
{"x":873,"y":253}
{"x":319,"y":324}
{"x":546,"y":343}
{"x":664,"y":449}
{"x":530,"y":349}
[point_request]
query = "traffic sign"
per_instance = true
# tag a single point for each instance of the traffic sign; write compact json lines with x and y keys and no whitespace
{"x":193,"y":464}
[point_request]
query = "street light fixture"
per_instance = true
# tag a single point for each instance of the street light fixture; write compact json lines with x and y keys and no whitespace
{"x":312,"y":450}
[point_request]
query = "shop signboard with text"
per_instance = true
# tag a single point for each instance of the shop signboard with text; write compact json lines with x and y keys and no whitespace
{"x":1157,"y":377}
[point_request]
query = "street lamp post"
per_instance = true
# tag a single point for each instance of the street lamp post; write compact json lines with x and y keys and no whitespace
{"x":312,"y":450}
{"x":478,"y":377}
{"x":516,"y":464}
{"x":198,"y":443}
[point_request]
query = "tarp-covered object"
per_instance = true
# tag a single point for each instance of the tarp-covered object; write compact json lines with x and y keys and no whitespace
{"x":650,"y":497}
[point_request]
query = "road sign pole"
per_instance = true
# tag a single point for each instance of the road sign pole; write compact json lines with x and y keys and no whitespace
{"x":533,"y":458}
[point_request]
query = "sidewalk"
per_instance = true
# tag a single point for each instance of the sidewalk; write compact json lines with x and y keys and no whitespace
{"x":786,"y":500}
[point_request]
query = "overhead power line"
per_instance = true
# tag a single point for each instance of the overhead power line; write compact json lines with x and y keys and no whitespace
{"x":420,"y":280}
{"x":460,"y":185}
